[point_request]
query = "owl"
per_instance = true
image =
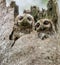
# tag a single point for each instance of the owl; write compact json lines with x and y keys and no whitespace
{"x":24,"y":24}
{"x":45,"y":28}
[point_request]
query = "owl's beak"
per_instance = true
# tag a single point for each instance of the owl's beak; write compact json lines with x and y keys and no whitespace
{"x":42,"y":28}
{"x":25,"y":20}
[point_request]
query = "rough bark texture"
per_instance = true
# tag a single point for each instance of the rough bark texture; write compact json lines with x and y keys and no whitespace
{"x":16,"y":9}
{"x":29,"y":49}
{"x":6,"y":26}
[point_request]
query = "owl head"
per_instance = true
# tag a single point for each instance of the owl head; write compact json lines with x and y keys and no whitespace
{"x":44,"y":27}
{"x":25,"y":22}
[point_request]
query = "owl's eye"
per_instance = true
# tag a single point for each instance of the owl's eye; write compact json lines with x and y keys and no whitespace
{"x":29,"y":18}
{"x":37,"y":25}
{"x":46,"y":22}
{"x":21,"y":17}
